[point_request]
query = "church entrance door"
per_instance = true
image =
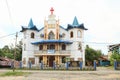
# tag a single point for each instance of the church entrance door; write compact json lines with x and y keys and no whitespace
{"x":50,"y":60}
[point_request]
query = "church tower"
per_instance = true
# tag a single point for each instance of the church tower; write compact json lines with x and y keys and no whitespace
{"x":51,"y":26}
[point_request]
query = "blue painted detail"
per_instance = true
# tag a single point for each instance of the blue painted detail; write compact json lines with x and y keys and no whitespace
{"x":81,"y":63}
{"x":20,"y":64}
{"x":94,"y":65}
{"x":30,"y":25}
{"x":63,"y":28}
{"x":67,"y":65}
{"x":30,"y":65}
{"x":75,"y":21}
{"x":104,"y":63}
{"x":41,"y":65}
{"x":52,"y":41}
{"x":54,"y":66}
{"x":115,"y":65}
{"x":76,"y":25}
{"x":12,"y":64}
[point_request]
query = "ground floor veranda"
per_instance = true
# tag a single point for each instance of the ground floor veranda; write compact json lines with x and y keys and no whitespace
{"x":49,"y":59}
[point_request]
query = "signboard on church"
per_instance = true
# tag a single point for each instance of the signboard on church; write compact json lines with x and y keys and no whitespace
{"x":51,"y":51}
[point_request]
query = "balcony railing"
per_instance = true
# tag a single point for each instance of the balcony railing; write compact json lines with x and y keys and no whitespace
{"x":52,"y":51}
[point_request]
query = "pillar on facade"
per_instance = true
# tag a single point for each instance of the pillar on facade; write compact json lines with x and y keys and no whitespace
{"x":37,"y":61}
{"x":58,"y":59}
{"x":45,"y":59}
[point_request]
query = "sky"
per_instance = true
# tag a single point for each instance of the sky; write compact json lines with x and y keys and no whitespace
{"x":100,"y":17}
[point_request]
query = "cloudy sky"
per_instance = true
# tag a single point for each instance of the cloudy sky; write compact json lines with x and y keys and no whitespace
{"x":101,"y":17}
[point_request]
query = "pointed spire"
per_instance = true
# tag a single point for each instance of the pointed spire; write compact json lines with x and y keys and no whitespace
{"x":30,"y":25}
{"x":75,"y":21}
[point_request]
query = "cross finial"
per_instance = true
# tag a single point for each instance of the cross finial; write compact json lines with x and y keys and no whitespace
{"x":51,"y":10}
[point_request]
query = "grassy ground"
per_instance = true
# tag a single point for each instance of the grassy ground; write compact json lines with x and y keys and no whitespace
{"x":16,"y":73}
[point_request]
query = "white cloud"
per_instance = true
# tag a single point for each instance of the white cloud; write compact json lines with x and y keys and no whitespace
{"x":101,"y":17}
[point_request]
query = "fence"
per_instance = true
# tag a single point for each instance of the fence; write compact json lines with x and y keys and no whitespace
{"x":104,"y":63}
{"x":116,"y":65}
{"x":63,"y":66}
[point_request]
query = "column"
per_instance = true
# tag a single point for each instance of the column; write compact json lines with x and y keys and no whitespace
{"x":56,"y":60}
{"x":83,"y":56}
{"x":36,"y":61}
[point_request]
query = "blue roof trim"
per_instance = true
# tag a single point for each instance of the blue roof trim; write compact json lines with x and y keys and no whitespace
{"x":63,"y":28}
{"x":76,"y":25}
{"x":33,"y":28}
{"x":51,"y":41}
{"x":30,"y":26}
{"x":41,"y":28}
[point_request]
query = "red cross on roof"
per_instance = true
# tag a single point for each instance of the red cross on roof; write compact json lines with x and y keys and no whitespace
{"x":51,"y":10}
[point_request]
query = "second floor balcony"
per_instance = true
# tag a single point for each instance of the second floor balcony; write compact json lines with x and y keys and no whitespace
{"x":52,"y":52}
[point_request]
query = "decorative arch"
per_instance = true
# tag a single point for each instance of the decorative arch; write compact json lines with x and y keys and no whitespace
{"x":71,"y":34}
{"x":51,"y":35}
{"x":79,"y":34}
{"x":32,"y":35}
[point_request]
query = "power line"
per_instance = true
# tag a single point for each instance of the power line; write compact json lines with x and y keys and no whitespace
{"x":8,"y":35}
{"x":98,"y":43}
{"x":10,"y":16}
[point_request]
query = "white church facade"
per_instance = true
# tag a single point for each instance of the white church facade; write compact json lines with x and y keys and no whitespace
{"x":53,"y":42}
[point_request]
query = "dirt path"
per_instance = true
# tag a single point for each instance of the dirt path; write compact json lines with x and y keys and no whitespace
{"x":100,"y":74}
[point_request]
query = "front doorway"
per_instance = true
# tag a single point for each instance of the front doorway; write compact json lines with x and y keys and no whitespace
{"x":40,"y":59}
{"x":50,"y":60}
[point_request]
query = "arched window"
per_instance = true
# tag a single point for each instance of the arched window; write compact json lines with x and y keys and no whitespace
{"x":79,"y":34}
{"x":51,"y":35}
{"x":40,"y":47}
{"x":63,"y":47}
{"x":32,"y":35}
{"x":71,"y":34}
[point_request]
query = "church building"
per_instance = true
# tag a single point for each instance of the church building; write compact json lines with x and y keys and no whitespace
{"x":53,"y":42}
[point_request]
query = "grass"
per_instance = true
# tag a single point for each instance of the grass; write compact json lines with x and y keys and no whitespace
{"x":14,"y":73}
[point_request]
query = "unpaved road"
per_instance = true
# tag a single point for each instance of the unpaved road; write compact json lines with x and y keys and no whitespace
{"x":100,"y":74}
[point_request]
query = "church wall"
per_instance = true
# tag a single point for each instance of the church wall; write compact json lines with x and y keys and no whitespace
{"x":66,"y":37}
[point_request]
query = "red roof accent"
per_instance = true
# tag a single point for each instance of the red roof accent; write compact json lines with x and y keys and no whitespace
{"x":51,"y":10}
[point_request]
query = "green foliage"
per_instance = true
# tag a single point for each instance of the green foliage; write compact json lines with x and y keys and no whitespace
{"x":114,"y":56}
{"x":8,"y":51}
{"x":91,"y":55}
{"x":1,"y":53}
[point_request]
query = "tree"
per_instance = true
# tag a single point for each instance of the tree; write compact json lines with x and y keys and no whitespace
{"x":19,"y":51}
{"x":18,"y":54}
{"x":1,"y":53}
{"x":91,"y":55}
{"x":8,"y":51}
{"x":115,"y":56}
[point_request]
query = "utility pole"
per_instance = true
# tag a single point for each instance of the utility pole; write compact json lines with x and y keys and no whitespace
{"x":15,"y":51}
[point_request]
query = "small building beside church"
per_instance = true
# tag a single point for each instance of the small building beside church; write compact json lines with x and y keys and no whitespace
{"x":53,"y":42}
{"x":113,"y":48}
